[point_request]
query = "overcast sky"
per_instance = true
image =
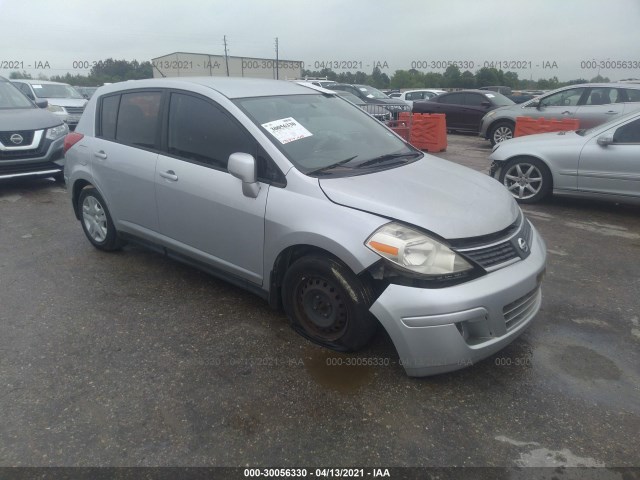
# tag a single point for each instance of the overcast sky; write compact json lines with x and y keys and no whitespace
{"x":535,"y":33}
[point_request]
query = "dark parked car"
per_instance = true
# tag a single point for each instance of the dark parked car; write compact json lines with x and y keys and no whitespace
{"x":31,"y":138}
{"x":373,"y":96}
{"x":464,"y":109}
{"x":378,"y":111}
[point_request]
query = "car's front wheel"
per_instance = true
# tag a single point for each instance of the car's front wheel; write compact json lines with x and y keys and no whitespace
{"x":96,"y":220}
{"x":327,"y":303}
{"x":528,"y":179}
{"x":500,"y":132}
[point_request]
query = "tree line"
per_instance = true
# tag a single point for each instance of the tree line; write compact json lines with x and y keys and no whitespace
{"x":451,"y":78}
{"x":106,"y":71}
{"x":111,"y":71}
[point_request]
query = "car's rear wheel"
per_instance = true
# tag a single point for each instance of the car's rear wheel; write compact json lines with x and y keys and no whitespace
{"x":96,"y":221}
{"x":528,"y":179}
{"x":500,"y":132}
{"x":327,"y":303}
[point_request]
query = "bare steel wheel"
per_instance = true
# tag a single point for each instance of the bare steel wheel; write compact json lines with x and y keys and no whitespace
{"x":528,"y":179}
{"x":327,"y":303}
{"x":96,"y":220}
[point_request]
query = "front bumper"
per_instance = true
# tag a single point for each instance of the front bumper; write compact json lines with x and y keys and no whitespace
{"x":44,"y":161}
{"x":441,"y":330}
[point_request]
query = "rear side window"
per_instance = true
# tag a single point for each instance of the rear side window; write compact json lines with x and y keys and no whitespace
{"x":474,"y":99}
{"x":138,"y":117}
{"x":200,"y":131}
{"x":454,"y":99}
{"x":633,"y":95}
{"x":109,"y":116}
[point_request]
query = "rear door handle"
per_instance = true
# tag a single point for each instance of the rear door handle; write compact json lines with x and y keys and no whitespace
{"x":611,"y":112}
{"x":566,"y":112}
{"x":100,"y":154}
{"x":169,"y":175}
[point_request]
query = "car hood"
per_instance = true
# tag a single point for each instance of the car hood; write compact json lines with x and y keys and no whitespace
{"x":439,"y":196}
{"x":556,"y":139}
{"x":27,"y":119}
{"x":67,"y":102}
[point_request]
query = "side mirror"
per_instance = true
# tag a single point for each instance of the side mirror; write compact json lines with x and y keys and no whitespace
{"x":243,"y":166}
{"x":41,"y":103}
{"x":485,"y":103}
{"x":605,"y":140}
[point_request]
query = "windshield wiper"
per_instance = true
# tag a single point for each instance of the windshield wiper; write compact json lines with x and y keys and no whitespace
{"x":332,"y":166}
{"x":388,"y":156}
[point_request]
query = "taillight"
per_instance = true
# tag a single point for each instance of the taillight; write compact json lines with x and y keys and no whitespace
{"x":71,"y":139}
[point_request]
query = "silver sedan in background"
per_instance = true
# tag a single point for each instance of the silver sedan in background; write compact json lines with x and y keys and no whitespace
{"x":600,"y":162}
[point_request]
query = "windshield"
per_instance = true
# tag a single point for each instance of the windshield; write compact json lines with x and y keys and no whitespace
{"x":351,"y":97}
{"x":370,"y":92}
{"x":11,"y":97}
{"x":319,"y":132}
{"x":499,"y":99}
{"x":55,"y":90}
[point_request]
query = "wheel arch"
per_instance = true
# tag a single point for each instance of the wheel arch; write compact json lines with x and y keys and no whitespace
{"x":287,"y":256}
{"x":78,"y":186}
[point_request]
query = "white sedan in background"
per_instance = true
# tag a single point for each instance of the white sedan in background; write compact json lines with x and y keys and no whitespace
{"x":424,"y":94}
{"x":601,"y":162}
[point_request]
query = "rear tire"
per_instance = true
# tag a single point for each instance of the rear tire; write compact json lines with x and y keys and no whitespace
{"x":328,"y":304}
{"x":96,"y":221}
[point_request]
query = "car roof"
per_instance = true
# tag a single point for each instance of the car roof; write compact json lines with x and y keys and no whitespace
{"x":230,"y":87}
{"x":38,"y":82}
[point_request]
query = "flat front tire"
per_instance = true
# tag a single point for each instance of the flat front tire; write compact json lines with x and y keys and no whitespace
{"x":96,"y":221}
{"x":327,"y":303}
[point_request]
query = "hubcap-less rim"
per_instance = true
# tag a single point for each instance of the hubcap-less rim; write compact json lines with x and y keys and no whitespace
{"x":523,"y":180}
{"x":323,"y":311}
{"x":95,"y":219}
{"x":501,"y":134}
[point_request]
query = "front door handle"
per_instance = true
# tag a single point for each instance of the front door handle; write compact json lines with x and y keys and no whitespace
{"x":566,"y":112}
{"x":100,"y":154}
{"x":169,"y":175}
{"x":611,"y":112}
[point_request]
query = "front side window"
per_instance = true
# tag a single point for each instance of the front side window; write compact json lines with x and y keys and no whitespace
{"x":138,"y":118}
{"x":629,"y":133}
{"x":474,"y":99}
{"x":563,"y":99}
{"x":201,"y":132}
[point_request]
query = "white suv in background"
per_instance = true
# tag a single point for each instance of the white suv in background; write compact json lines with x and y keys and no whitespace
{"x":64,"y":100}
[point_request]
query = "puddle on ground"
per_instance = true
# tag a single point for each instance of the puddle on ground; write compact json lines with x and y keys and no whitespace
{"x":586,"y":364}
{"x":341,"y":372}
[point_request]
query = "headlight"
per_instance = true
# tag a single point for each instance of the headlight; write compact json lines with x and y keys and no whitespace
{"x":56,"y":108}
{"x":489,"y":114}
{"x":415,"y":251}
{"x":57,"y":132}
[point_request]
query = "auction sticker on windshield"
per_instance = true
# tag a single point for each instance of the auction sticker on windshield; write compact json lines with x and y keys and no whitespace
{"x":287,"y":130}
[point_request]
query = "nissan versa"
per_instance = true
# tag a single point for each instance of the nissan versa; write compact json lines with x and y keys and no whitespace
{"x":303,"y":198}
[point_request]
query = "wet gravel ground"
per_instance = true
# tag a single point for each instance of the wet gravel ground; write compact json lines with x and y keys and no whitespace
{"x":131,"y":359}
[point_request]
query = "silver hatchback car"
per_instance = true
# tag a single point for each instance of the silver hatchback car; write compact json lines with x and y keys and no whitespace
{"x":591,"y":103}
{"x":303,"y":198}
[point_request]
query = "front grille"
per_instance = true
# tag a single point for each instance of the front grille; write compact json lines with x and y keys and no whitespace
{"x":27,"y":138}
{"x":521,"y":309}
{"x":495,"y":255}
{"x":20,"y":154}
{"x":74,"y":110}
{"x":500,"y":253}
